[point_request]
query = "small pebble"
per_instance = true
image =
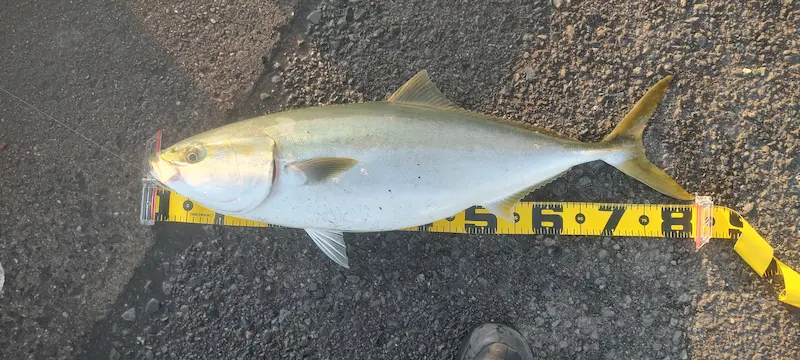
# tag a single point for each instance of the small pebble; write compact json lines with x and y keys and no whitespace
{"x":607,"y":313}
{"x":584,"y":322}
{"x":283,"y":315}
{"x":129,"y":315}
{"x":747,"y":208}
{"x":314,"y":17}
{"x":166,"y":287}
{"x":676,"y":337}
{"x":529,"y":73}
{"x":700,"y":8}
{"x":647,"y":321}
{"x":152,"y":306}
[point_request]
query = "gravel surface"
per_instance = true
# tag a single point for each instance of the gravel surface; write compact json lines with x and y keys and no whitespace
{"x":69,"y":231}
{"x":575,"y":69}
{"x":220,"y":45}
{"x":728,"y":127}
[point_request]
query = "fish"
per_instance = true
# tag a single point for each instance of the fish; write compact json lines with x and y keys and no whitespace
{"x":411,"y":159}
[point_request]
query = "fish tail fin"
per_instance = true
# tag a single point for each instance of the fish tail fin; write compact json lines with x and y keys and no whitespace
{"x":629,"y":156}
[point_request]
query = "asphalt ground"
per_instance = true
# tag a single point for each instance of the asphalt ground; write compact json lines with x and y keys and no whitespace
{"x":77,"y":261}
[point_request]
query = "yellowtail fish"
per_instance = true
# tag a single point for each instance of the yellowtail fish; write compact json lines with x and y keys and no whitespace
{"x":412,"y":159}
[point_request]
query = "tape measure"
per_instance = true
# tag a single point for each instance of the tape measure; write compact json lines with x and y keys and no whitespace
{"x":700,"y":221}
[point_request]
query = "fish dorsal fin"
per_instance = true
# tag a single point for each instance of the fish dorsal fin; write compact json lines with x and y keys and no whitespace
{"x":420,"y":90}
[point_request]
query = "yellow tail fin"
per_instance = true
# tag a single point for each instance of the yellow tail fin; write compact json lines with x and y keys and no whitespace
{"x":628,"y":137}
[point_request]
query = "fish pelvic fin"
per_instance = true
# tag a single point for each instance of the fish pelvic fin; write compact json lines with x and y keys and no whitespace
{"x":627,"y":137}
{"x":332,"y":244}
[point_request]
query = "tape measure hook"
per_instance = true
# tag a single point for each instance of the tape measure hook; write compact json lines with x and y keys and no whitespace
{"x":704,"y":220}
{"x":147,"y":212}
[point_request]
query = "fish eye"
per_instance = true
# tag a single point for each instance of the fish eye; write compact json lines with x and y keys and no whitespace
{"x":194,"y":155}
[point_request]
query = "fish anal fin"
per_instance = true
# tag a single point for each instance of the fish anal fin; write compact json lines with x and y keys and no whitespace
{"x":332,"y":244}
{"x":320,"y":169}
{"x":504,"y":207}
{"x":420,"y":90}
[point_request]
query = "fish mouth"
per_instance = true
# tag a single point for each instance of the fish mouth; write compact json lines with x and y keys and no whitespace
{"x":162,"y":170}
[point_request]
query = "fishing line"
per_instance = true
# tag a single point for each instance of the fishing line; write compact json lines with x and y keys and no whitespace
{"x":70,"y":129}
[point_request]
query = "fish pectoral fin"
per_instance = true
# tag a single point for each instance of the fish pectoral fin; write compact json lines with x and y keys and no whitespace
{"x":420,"y":90}
{"x":332,"y":244}
{"x":320,"y":169}
{"x":504,"y":207}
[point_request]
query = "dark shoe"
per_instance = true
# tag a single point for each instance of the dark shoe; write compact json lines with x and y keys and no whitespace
{"x":494,"y":342}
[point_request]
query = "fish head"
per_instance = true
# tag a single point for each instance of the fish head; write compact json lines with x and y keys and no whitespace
{"x":228,"y":173}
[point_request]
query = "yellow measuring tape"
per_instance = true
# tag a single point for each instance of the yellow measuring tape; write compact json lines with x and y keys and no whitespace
{"x":700,"y":221}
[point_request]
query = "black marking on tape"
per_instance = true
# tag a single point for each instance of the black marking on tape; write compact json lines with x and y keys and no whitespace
{"x":613,"y":220}
{"x":676,"y":217}
{"x":163,"y":204}
{"x":736,"y":222}
{"x":580,"y":218}
{"x":471,"y":215}
{"x":538,"y":219}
